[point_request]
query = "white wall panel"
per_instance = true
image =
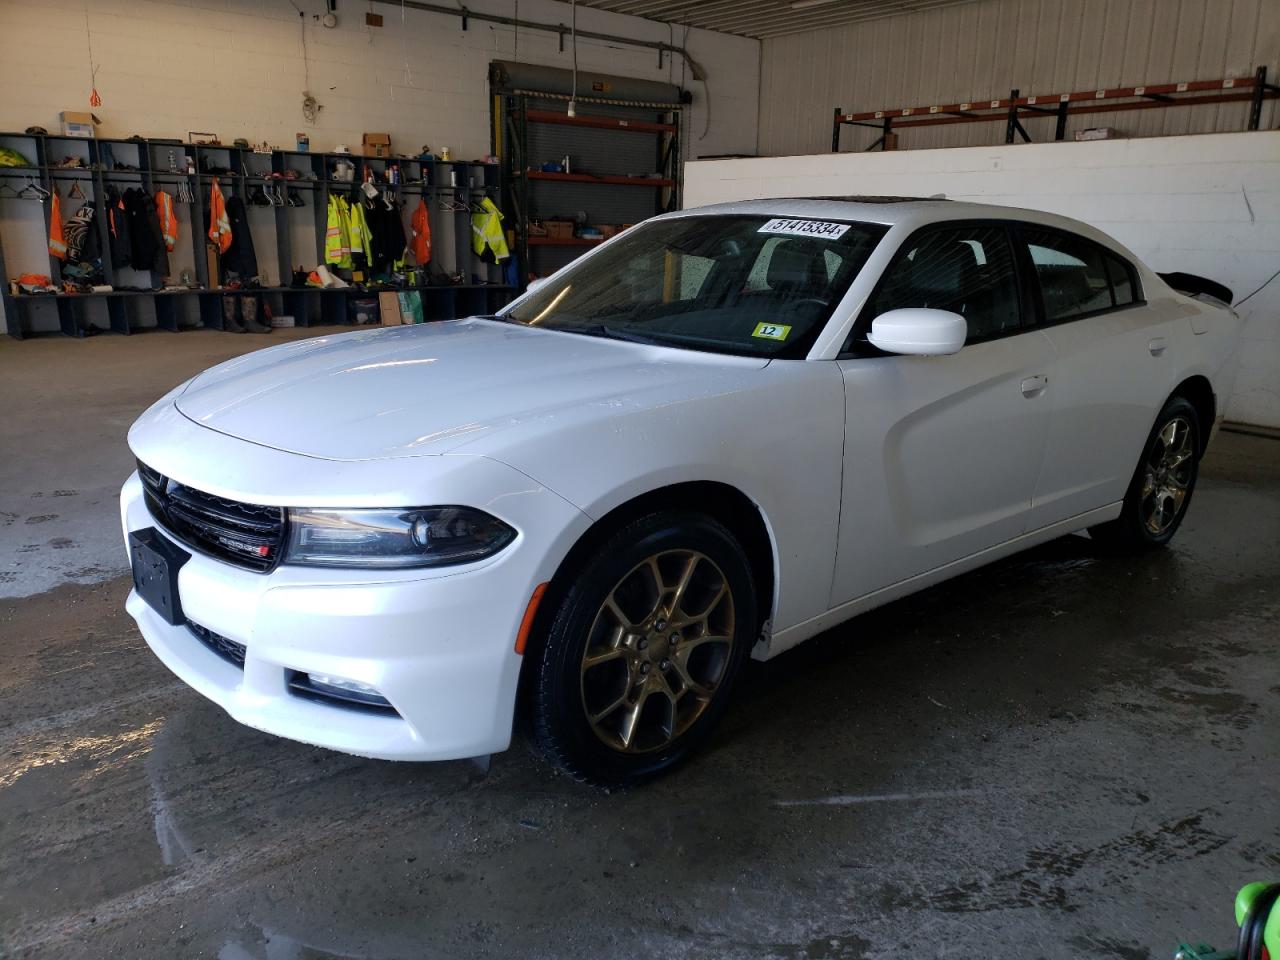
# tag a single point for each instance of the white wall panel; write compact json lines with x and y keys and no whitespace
{"x":983,"y":49}
{"x":1208,"y":205}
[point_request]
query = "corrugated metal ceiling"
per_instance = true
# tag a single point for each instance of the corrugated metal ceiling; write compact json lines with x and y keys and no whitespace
{"x":766,"y":18}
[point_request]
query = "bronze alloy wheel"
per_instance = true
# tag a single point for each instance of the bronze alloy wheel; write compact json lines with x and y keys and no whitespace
{"x":1167,"y":476}
{"x":657,"y":651}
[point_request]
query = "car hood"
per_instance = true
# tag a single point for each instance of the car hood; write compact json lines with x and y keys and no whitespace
{"x":431,"y":388}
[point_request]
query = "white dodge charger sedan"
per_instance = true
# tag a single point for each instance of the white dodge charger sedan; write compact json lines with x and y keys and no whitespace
{"x":720,"y":433}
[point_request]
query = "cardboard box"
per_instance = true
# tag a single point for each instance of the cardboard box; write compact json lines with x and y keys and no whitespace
{"x":389,"y":307}
{"x":1098,"y":133}
{"x":559,"y":229}
{"x":377,"y":145}
{"x":77,"y":124}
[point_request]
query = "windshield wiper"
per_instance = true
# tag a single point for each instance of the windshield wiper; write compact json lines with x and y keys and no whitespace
{"x":612,"y":333}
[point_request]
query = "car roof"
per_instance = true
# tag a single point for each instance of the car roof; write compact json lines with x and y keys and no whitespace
{"x":885,"y":210}
{"x":907,"y":212}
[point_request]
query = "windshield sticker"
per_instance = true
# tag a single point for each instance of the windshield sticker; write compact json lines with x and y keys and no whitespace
{"x":806,"y":228}
{"x":771,"y":331}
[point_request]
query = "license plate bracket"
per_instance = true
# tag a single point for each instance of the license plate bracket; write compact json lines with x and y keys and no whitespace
{"x":156,"y":562}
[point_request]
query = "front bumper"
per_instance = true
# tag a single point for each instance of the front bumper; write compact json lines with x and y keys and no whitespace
{"x":437,"y":644}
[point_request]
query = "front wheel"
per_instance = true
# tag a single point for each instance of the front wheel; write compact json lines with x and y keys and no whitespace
{"x":645,"y":645}
{"x":1161,"y":488}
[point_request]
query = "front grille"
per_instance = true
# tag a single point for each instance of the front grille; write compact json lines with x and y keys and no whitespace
{"x":224,"y":647}
{"x":244,"y":534}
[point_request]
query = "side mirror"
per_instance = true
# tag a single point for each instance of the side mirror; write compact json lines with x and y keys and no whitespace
{"x":535,"y":284}
{"x":919,"y":331}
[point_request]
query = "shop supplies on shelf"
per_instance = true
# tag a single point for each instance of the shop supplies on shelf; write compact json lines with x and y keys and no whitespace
{"x":487,"y":239}
{"x":12,"y":158}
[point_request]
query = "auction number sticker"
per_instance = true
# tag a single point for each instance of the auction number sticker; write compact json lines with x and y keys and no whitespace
{"x":806,"y":228}
{"x":771,"y":331}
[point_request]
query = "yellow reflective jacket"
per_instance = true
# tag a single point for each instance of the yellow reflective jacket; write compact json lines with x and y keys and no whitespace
{"x":486,"y":231}
{"x":360,"y":237}
{"x":337,"y":234}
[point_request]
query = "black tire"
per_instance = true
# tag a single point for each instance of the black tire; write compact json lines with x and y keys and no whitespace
{"x":564,"y":689}
{"x":1135,"y":530}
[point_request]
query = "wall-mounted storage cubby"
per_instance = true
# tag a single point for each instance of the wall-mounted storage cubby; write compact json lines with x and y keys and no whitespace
{"x":455,"y":283}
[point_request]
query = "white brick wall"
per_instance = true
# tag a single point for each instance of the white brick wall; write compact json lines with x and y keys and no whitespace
{"x":1208,"y":205}
{"x":235,"y":67}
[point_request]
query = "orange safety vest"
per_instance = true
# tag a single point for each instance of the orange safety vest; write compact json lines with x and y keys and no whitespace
{"x":421,"y":234}
{"x":219,"y":225}
{"x":168,"y":221}
{"x":57,"y":242}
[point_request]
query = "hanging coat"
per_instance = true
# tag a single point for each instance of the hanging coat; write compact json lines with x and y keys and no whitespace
{"x":358,"y":231}
{"x":117,"y":229}
{"x":387,"y":230}
{"x":57,"y":243}
{"x":337,"y":235}
{"x":421,"y":243}
{"x":486,"y":231}
{"x":168,"y":220}
{"x":81,"y":237}
{"x":219,"y":225}
{"x":239,"y":256}
{"x":146,"y":242}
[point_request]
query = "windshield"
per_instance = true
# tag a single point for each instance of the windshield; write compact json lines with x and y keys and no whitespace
{"x":750,"y":285}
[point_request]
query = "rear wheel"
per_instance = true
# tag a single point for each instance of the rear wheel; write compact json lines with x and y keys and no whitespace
{"x":1161,"y":488}
{"x":644,"y":648}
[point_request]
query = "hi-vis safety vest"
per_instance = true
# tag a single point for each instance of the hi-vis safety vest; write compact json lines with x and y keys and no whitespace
{"x":421,"y":234}
{"x":168,"y":221}
{"x":486,"y":231}
{"x":337,"y":234}
{"x":57,"y":242}
{"x":219,"y":225}
{"x":358,"y":232}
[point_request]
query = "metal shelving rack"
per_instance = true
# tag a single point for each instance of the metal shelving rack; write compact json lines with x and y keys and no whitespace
{"x":629,"y":181}
{"x":1015,"y":108}
{"x":481,"y":292}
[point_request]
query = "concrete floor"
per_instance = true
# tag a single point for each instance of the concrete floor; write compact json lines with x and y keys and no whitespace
{"x":1064,"y":755}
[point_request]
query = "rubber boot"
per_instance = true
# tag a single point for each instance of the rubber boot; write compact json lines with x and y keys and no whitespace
{"x":229,"y":321}
{"x":249,"y":310}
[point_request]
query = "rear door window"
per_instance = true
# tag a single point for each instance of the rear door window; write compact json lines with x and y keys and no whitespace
{"x":1077,"y":277}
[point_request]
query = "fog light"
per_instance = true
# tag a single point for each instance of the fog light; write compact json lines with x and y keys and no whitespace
{"x":339,"y":688}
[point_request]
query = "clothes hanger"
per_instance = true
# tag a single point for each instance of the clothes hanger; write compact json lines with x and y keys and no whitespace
{"x":33,"y":191}
{"x":76,"y":193}
{"x":8,"y":193}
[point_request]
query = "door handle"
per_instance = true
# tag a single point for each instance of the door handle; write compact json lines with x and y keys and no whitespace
{"x":1034,"y":386}
{"x":1156,"y":345}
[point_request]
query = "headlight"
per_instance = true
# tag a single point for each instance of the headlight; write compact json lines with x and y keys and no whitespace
{"x":393,"y":539}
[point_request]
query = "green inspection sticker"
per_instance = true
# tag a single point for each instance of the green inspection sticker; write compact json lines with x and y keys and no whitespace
{"x":771,"y":331}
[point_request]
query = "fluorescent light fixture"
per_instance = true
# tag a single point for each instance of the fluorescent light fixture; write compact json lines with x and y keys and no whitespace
{"x":806,"y":4}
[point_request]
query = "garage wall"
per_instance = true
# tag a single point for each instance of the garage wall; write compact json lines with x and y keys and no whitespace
{"x":1206,"y":204}
{"x":982,"y":50}
{"x":235,"y":67}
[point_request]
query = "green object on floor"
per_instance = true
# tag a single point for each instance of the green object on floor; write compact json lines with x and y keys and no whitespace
{"x":1261,"y":896}
{"x":1257,"y":911}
